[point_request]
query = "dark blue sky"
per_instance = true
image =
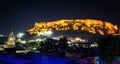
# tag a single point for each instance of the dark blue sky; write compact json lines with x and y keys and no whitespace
{"x":22,"y":14}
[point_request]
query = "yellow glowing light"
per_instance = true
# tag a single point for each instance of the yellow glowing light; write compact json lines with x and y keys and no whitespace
{"x":90,"y":25}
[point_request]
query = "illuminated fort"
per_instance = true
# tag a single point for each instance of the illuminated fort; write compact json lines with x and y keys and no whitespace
{"x":89,"y":25}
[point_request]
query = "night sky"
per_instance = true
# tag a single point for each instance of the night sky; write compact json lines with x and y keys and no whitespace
{"x":22,"y":14}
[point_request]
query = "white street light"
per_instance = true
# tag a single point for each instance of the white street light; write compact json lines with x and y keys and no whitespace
{"x":20,"y":35}
{"x":48,"y":33}
{"x":24,"y":42}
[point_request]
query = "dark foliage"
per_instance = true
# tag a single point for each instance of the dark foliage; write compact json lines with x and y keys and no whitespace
{"x":109,"y":48}
{"x":63,"y":43}
{"x":51,"y":45}
{"x":3,"y":40}
{"x":48,"y":46}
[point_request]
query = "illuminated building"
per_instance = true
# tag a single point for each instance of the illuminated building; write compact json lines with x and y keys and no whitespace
{"x":10,"y":46}
{"x":11,"y":41}
{"x":89,"y":25}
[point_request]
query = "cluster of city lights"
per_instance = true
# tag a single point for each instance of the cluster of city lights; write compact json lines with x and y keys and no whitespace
{"x":90,"y":25}
{"x":46,"y":33}
{"x":76,"y":39}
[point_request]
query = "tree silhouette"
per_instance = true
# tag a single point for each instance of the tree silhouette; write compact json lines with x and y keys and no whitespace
{"x":109,"y":48}
{"x":63,"y":43}
{"x":48,"y":46}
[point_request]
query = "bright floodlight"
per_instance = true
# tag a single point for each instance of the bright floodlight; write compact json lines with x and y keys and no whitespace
{"x":24,"y":42}
{"x":2,"y":35}
{"x":48,"y":33}
{"x":40,"y":33}
{"x":20,"y":35}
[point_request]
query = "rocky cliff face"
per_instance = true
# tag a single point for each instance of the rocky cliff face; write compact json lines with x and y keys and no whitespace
{"x":89,"y":29}
{"x":89,"y":25}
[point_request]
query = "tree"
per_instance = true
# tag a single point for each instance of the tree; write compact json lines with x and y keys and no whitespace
{"x":48,"y":46}
{"x":33,"y":45}
{"x":63,"y":43}
{"x":109,"y":48}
